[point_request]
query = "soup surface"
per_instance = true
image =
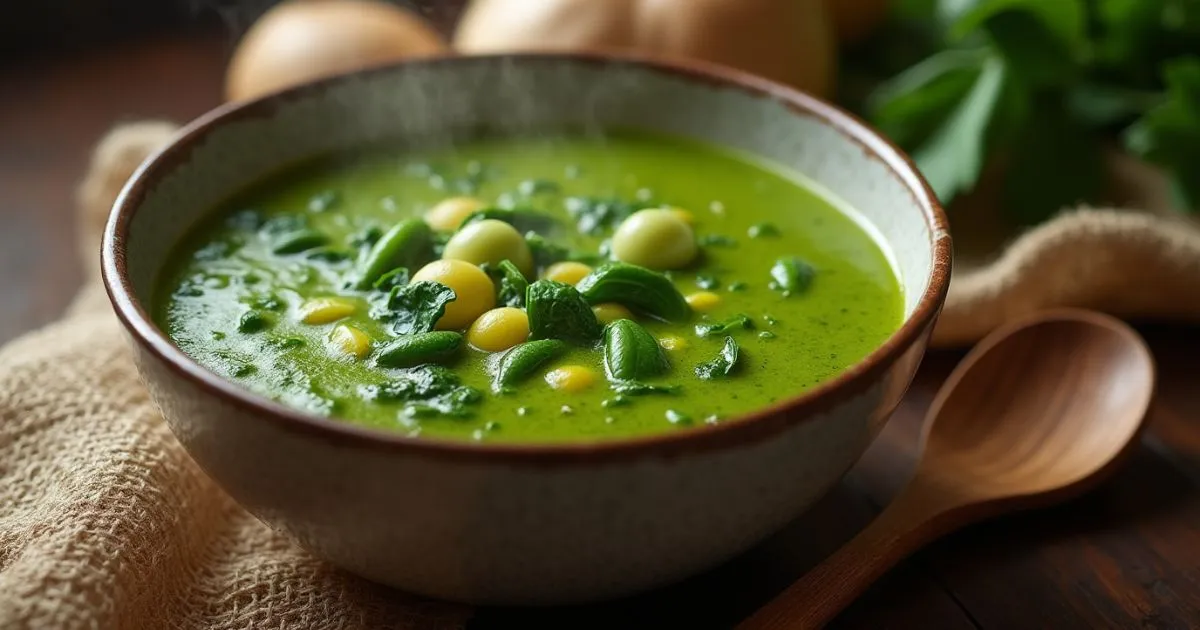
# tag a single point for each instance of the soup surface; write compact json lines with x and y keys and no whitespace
{"x":735,"y":286}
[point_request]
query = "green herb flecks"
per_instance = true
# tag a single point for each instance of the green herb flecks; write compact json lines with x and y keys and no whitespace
{"x":737,"y":322}
{"x":425,"y":390}
{"x":791,"y":275}
{"x":723,"y":364}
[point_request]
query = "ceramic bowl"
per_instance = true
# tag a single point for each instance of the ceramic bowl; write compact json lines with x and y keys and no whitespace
{"x":524,"y":524}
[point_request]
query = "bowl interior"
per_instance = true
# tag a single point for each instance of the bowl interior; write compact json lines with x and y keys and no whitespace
{"x":448,"y":101}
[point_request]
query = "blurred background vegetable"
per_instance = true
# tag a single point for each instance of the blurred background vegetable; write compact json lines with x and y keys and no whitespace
{"x":1035,"y":90}
{"x":787,"y":40}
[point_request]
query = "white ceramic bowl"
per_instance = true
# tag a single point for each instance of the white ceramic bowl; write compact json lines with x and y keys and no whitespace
{"x":518,"y":524}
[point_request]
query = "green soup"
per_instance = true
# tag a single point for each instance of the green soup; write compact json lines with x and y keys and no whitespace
{"x":289,"y":292}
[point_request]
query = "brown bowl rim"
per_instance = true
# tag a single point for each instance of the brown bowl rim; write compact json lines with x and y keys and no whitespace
{"x":751,"y":427}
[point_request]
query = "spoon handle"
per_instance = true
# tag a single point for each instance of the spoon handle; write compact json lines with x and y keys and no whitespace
{"x":911,"y":520}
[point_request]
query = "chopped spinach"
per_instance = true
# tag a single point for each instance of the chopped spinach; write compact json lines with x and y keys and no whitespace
{"x":791,"y":274}
{"x":763,"y":230}
{"x":707,"y":281}
{"x":325,"y":201}
{"x":716,"y":240}
{"x":510,"y":283}
{"x":710,"y":329}
{"x":397,"y":277}
{"x":416,"y":307}
{"x":595,"y":214}
{"x":558,"y":311}
{"x":425,"y":390}
{"x":723,"y":365}
{"x":253,"y":321}
{"x":523,"y":219}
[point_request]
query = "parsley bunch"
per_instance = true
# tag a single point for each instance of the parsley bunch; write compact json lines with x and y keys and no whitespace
{"x":1038,"y":87}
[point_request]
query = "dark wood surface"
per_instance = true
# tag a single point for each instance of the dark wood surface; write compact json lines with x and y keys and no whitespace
{"x":1125,"y":556}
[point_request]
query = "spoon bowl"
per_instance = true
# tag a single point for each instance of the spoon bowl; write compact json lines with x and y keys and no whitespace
{"x":1043,"y":407}
{"x":1039,"y":412}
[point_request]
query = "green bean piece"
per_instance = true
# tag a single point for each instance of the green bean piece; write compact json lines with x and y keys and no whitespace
{"x":407,"y":244}
{"x":638,"y":288}
{"x":413,"y":350}
{"x":299,"y":241}
{"x":518,"y":362}
{"x":631,"y":353}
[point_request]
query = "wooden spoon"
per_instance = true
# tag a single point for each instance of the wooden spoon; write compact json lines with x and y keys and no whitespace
{"x":1037,"y":413}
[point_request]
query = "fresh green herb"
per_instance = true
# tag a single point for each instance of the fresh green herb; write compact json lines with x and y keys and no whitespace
{"x":298,"y":241}
{"x":635,"y":287}
{"x":594,"y":214}
{"x":791,"y":275}
{"x":416,"y":308}
{"x":763,"y":230}
{"x":519,"y":362}
{"x":523,"y":219}
{"x":678,"y":417}
{"x":707,"y":282}
{"x":557,"y":311}
{"x":737,"y":286}
{"x":425,"y":390}
{"x":711,"y":329}
{"x":265,"y":302}
{"x":407,"y":244}
{"x":631,"y":353}
{"x":253,"y":321}
{"x":287,"y":343}
{"x":1032,"y":90}
{"x":413,"y":350}
{"x":723,"y":365}
{"x":716,"y":240}
{"x":325,"y":201}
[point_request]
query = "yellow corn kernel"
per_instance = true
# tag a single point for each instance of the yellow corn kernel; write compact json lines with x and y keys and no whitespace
{"x":672,"y":343}
{"x":571,"y":378}
{"x":499,"y":329}
{"x":610,"y":312}
{"x":449,"y":213}
{"x":567,"y":271}
{"x":703,"y":301}
{"x":684,"y":215}
{"x":326,"y":309}
{"x":350,"y":341}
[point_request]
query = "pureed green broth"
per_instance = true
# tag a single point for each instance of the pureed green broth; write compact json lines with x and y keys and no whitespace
{"x":794,"y":290}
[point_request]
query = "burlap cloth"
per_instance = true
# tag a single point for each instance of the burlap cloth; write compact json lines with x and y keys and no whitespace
{"x":106,"y":523}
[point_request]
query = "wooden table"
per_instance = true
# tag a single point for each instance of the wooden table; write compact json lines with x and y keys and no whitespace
{"x":1126,"y":556}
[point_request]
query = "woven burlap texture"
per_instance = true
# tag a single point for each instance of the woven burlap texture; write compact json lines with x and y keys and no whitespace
{"x":105,"y":522}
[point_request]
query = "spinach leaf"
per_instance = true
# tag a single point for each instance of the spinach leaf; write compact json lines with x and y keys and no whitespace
{"x":739,"y":321}
{"x":791,"y":274}
{"x":416,"y":308}
{"x":631,"y":353}
{"x":522,"y":219}
{"x":638,"y":288}
{"x":510,"y":284}
{"x":558,"y":311}
{"x":1169,"y":135}
{"x":595,"y":214}
{"x":425,"y":390}
{"x":723,"y":365}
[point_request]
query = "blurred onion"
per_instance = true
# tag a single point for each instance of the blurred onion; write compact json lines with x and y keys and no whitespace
{"x":299,"y":41}
{"x":790,"y":41}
